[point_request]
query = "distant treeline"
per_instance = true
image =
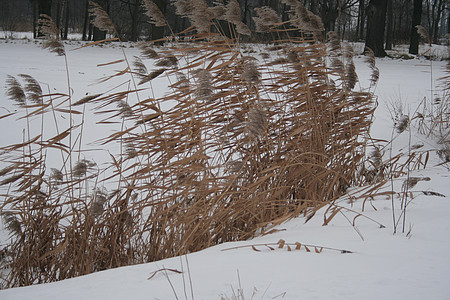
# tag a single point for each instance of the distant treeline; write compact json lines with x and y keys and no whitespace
{"x":348,"y":17}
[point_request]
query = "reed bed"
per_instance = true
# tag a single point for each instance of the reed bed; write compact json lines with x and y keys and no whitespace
{"x":239,"y":142}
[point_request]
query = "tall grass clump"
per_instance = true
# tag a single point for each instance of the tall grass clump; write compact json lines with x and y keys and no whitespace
{"x":433,"y":115}
{"x":236,"y":143}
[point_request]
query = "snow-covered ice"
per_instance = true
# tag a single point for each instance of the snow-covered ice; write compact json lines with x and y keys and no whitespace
{"x":382,"y":265}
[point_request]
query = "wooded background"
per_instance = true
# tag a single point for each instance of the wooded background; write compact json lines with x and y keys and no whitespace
{"x":392,"y":21}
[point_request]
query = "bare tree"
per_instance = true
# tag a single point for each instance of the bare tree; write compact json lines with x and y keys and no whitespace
{"x":376,"y":22}
{"x":67,"y":12}
{"x":15,"y":15}
{"x":416,"y":20}
{"x":402,"y":18}
{"x":361,"y":19}
{"x":135,"y":17}
{"x":389,"y":29}
{"x":435,"y":9}
{"x":59,"y":11}
{"x":86,"y":20}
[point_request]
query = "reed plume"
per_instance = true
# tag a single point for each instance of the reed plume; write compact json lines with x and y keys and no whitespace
{"x":234,"y":166}
{"x":402,"y":123}
{"x":198,"y":13}
{"x":100,"y":17}
{"x":218,"y":10}
{"x":233,"y":16}
{"x":183,"y":8}
{"x":98,"y":203}
{"x":250,"y":72}
{"x":348,"y":51}
{"x":14,"y":90}
{"x":423,"y":33}
{"x":130,"y":150}
{"x":370,"y":59}
{"x":304,"y":19}
{"x":351,"y":77}
{"x":147,"y":50}
{"x":32,"y":88}
{"x":374,"y":76}
{"x":56,"y":177}
{"x":257,"y":122}
{"x":124,"y":109}
{"x":12,"y":222}
{"x":204,"y":88}
{"x":81,"y":167}
{"x":265,"y":18}
{"x":233,"y":12}
{"x":335,"y":53}
{"x":154,"y":13}
{"x":51,"y":33}
{"x":334,"y":43}
{"x":169,"y":61}
{"x":139,"y":66}
{"x":376,"y":158}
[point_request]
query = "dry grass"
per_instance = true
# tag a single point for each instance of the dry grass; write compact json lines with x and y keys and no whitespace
{"x":432,"y":117}
{"x":282,"y":244}
{"x":244,"y":143}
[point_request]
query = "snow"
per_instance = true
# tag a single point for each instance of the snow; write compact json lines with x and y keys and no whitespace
{"x":382,"y":265}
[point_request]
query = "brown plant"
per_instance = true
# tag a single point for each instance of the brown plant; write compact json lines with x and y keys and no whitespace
{"x":236,"y":144}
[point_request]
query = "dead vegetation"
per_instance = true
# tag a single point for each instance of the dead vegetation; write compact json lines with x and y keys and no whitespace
{"x":238,"y":143}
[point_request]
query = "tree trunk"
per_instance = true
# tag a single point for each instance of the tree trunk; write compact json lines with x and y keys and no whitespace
{"x":390,"y":20}
{"x":58,"y":13}
{"x":358,"y":23}
{"x":66,"y":19}
{"x":436,"y":20}
{"x":339,"y":19}
{"x":362,"y":13}
{"x":329,"y":14}
{"x":134,"y":13}
{"x":91,"y":32}
{"x":86,"y":21}
{"x":448,"y":23}
{"x":34,"y":6}
{"x":98,"y":35}
{"x":376,"y":22}
{"x":416,"y":20}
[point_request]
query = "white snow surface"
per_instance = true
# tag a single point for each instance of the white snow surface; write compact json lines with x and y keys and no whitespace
{"x":382,"y":265}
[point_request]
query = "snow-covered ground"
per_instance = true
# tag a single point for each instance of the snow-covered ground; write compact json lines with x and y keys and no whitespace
{"x":382,"y":265}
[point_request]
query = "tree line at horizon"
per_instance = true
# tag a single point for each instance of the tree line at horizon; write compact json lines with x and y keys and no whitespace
{"x":381,"y":23}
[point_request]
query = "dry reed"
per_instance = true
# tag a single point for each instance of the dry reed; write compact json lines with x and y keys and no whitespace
{"x":235,"y":150}
{"x":15,"y":91}
{"x":51,"y":33}
{"x":100,"y":17}
{"x":233,"y":16}
{"x":423,"y":33}
{"x":155,"y":14}
{"x":265,"y":18}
